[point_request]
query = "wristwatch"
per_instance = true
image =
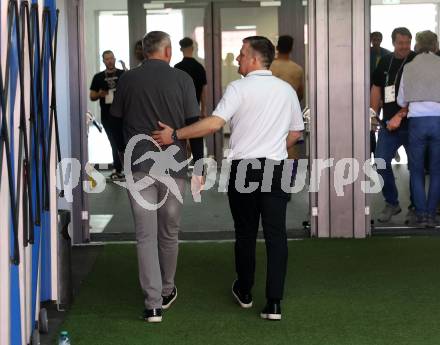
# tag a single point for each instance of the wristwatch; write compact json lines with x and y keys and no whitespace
{"x":174,"y":136}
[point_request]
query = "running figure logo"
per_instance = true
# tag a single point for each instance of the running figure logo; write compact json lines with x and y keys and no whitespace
{"x":163,"y":162}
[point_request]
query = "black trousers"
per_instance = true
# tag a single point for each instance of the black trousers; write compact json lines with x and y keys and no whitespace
{"x":247,"y":209}
{"x":373,"y":142}
{"x":113,"y":129}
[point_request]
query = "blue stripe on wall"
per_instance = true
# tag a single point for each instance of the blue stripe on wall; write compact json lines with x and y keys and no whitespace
{"x":14,"y":272}
{"x":46,"y":271}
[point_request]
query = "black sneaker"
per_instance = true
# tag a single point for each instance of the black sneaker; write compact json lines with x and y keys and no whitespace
{"x":117,"y":176}
{"x":245,"y":300}
{"x":410,"y":215}
{"x":153,"y":315}
{"x":272,"y":311}
{"x":168,"y":300}
{"x":431,"y":221}
{"x":121,"y":177}
{"x":420,"y":221}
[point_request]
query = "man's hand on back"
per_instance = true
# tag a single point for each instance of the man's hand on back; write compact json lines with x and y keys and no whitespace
{"x":163,"y":136}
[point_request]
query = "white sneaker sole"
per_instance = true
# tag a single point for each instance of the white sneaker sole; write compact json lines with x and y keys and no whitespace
{"x":243,"y":305}
{"x":154,"y":319}
{"x":167,"y":306}
{"x":275,"y":317}
{"x":119,"y":179}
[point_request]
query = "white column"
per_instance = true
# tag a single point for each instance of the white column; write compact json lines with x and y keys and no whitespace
{"x":339,"y":103}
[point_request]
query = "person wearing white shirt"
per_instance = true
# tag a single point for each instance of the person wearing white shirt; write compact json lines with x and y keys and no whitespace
{"x":265,"y":119}
{"x":420,"y":92}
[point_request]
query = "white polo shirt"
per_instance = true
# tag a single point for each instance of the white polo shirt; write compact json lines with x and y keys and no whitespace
{"x":262,"y":109}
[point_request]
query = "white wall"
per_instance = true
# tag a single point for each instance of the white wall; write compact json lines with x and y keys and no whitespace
{"x":416,"y":17}
{"x":62,"y":80}
{"x":63,"y":95}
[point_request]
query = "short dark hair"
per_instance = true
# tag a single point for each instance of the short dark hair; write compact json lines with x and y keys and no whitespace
{"x":138,"y":44}
{"x":153,"y":41}
{"x":106,"y":52}
{"x":376,"y":34}
{"x":262,"y":46}
{"x":285,"y":44}
{"x":186,"y":42}
{"x":400,"y":31}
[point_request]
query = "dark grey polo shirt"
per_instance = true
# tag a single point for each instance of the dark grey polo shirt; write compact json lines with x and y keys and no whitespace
{"x":154,"y":92}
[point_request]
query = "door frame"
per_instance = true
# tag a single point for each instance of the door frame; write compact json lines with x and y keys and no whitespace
{"x":217,"y":61}
{"x":209,"y":59}
{"x":327,"y":219}
{"x":212,"y":36}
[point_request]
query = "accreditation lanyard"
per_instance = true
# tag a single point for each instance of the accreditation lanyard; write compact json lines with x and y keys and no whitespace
{"x":390,"y":90}
{"x":110,"y":80}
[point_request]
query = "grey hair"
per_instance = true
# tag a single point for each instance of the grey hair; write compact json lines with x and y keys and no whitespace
{"x":426,"y":41}
{"x":154,"y":41}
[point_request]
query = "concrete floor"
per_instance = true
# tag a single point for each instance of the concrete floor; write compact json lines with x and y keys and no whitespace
{"x":111,"y":214}
{"x":111,"y":217}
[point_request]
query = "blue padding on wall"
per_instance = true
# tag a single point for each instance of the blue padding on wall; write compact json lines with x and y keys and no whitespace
{"x":15,"y":307}
{"x":15,"y":310}
{"x":41,"y":247}
{"x":46,"y":282}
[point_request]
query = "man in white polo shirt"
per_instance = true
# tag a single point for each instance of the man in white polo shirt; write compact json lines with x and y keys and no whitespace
{"x":266,"y":119}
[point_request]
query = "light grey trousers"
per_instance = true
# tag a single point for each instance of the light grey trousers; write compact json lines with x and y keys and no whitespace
{"x":157,"y":238}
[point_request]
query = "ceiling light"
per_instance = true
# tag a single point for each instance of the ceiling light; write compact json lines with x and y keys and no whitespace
{"x":270,"y":3}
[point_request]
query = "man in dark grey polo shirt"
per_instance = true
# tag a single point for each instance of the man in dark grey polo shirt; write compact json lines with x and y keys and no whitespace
{"x":147,"y":94}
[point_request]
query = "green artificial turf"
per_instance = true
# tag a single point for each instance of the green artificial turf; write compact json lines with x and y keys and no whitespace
{"x":375,"y":291}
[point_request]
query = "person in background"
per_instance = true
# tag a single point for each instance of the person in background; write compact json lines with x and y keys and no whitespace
{"x":376,"y":53}
{"x":195,"y":70}
{"x":103,"y":89}
{"x":229,"y":71}
{"x":419,"y":91}
{"x":138,"y":54}
{"x":286,"y":69}
{"x":386,"y":81}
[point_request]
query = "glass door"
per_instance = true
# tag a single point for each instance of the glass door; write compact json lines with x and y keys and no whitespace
{"x":180,"y":23}
{"x":232,"y":23}
{"x":416,"y":16}
{"x":218,"y":29}
{"x":193,"y":21}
